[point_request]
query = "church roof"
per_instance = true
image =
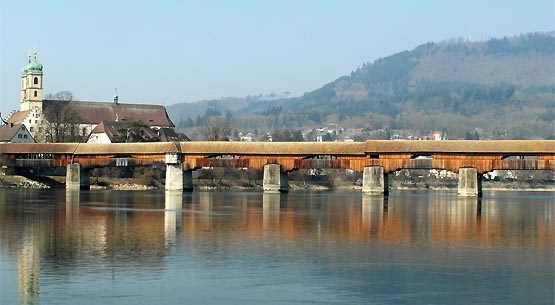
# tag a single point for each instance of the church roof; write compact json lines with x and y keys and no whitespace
{"x":18,"y":117}
{"x":96,"y":112}
{"x":33,"y":65}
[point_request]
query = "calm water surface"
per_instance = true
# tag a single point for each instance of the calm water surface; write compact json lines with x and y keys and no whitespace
{"x":138,"y":247}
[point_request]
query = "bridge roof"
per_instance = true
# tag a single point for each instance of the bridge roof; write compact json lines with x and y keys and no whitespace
{"x":126,"y":148}
{"x":462,"y":146}
{"x":273,"y":148}
{"x":505,"y":147}
{"x":38,"y":148}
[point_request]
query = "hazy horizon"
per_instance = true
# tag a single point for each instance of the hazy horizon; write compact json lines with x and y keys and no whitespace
{"x":173,"y":52}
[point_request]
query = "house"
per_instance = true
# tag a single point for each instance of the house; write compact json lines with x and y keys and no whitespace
{"x":437,"y":135}
{"x":15,"y":133}
{"x":134,"y":131}
{"x":88,"y":114}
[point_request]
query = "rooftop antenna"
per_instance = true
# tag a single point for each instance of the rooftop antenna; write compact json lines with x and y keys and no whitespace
{"x":116,"y":98}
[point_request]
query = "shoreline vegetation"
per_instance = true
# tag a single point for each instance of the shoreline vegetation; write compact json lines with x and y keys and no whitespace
{"x":47,"y":182}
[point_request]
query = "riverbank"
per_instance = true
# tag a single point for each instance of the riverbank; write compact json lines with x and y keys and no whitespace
{"x":14,"y":181}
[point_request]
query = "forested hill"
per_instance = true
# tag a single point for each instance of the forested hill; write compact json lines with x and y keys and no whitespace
{"x":500,"y":88}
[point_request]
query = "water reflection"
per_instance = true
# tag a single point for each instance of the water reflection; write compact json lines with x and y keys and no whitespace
{"x":28,"y":267}
{"x":271,"y":211}
{"x":173,"y":204}
{"x":374,"y":210}
{"x":72,"y":208}
{"x":51,"y":238}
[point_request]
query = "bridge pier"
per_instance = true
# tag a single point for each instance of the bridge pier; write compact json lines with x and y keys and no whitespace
{"x":470,"y":183}
{"x":77,"y":178}
{"x":177,"y":179}
{"x":275,"y":180}
{"x":374,"y":181}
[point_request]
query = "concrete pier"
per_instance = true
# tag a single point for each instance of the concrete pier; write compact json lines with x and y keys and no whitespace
{"x":275,"y":180}
{"x":177,"y":179}
{"x":77,"y":178}
{"x":470,"y":183}
{"x":374,"y":181}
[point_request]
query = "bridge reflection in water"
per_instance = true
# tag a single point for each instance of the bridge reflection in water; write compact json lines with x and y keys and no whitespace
{"x":140,"y":229}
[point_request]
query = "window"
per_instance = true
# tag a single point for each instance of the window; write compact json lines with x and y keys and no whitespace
{"x":25,"y":136}
{"x":29,"y":121}
{"x":20,"y":136}
{"x":31,"y":129}
{"x":40,"y":129}
{"x":36,"y":121}
{"x":35,"y":93}
{"x":36,"y":81}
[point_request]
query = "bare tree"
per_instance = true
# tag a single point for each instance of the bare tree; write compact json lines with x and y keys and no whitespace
{"x":216,"y":128}
{"x":63,"y":120}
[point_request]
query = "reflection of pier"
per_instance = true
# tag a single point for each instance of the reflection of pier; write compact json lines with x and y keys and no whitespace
{"x":271,"y":211}
{"x":173,"y":204}
{"x":374,"y":209}
{"x":28,"y":269}
{"x":72,"y":208}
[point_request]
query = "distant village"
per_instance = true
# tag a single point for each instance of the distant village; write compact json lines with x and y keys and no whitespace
{"x":340,"y":134}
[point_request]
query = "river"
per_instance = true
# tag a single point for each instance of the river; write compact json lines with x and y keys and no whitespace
{"x":151,"y":247}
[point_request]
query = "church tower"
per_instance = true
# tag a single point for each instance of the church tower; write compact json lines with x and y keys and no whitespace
{"x":31,"y":84}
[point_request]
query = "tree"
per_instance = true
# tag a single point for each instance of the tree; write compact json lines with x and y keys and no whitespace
{"x":216,"y":128}
{"x":287,"y":135}
{"x":63,"y":120}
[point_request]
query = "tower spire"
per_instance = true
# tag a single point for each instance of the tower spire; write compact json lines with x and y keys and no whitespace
{"x":29,"y":56}
{"x":35,"y":52}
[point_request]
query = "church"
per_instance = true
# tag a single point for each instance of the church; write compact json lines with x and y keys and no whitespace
{"x":94,"y":118}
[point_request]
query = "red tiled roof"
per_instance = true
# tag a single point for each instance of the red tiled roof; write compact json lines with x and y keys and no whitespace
{"x":96,"y":112}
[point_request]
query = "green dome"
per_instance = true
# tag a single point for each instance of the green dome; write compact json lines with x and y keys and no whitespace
{"x":33,"y":66}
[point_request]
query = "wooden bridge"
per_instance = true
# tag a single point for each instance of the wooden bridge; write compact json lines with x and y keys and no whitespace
{"x":387,"y":156}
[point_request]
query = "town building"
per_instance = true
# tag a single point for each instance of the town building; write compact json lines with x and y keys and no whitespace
{"x":15,"y":133}
{"x":88,"y":114}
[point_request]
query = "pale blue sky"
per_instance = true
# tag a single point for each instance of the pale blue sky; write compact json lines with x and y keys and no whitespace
{"x":183,"y":51}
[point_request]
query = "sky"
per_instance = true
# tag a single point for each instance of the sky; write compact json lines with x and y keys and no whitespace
{"x":169,"y":52}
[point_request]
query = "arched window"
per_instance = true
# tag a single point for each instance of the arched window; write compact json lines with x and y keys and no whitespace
{"x":36,"y":81}
{"x":35,"y":93}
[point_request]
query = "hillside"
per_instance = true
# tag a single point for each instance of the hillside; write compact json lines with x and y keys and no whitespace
{"x":500,"y":88}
